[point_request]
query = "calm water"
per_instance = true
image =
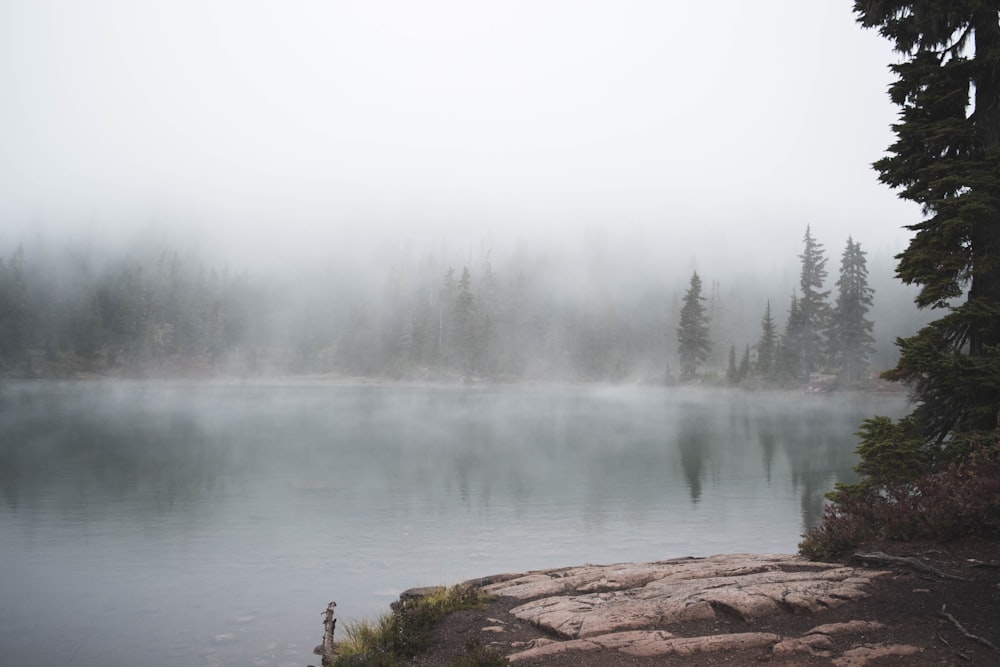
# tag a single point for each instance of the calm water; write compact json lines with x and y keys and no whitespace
{"x":182,"y":524}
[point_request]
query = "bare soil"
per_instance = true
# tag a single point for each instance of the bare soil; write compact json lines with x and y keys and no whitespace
{"x":908,"y":602}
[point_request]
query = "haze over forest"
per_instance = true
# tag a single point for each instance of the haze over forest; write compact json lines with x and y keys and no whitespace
{"x":247,"y":188}
{"x":414,"y":315}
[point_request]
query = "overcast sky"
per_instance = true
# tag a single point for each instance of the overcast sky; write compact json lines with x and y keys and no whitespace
{"x":296,"y":124}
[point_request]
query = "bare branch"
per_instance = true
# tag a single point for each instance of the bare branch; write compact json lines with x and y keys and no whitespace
{"x":966,"y":633}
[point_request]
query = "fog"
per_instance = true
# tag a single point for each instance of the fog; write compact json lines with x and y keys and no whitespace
{"x":323,"y":148}
{"x":274,"y":134}
{"x":389,"y":291}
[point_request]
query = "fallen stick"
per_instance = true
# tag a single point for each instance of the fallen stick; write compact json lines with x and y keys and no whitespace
{"x":966,"y":633}
{"x":910,"y":561}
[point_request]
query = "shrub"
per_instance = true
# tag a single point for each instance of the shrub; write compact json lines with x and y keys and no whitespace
{"x":961,"y":500}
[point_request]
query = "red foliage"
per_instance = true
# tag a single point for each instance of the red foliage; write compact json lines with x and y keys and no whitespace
{"x":960,"y":501}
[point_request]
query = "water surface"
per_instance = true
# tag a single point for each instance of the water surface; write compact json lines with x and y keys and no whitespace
{"x":209,"y":524}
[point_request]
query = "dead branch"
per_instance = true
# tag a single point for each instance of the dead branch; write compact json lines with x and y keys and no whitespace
{"x":326,"y":649}
{"x":909,"y":561}
{"x":966,"y":633}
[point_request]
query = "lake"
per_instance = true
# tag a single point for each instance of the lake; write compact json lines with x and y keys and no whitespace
{"x":169,"y":524}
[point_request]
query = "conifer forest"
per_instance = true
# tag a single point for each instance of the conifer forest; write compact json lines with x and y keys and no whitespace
{"x":156,"y":312}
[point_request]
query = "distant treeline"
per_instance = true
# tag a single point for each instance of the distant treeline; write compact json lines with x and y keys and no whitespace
{"x":161,"y":314}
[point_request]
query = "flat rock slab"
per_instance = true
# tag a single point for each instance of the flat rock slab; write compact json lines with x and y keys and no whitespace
{"x":632,"y":607}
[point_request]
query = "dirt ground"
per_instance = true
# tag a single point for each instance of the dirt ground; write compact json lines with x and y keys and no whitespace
{"x":908,"y":602}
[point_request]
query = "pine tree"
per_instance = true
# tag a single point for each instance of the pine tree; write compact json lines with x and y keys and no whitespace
{"x":813,"y":309}
{"x":767,"y":346}
{"x":792,"y":359}
{"x":850,"y":333}
{"x":693,"y":342}
{"x":946,"y":158}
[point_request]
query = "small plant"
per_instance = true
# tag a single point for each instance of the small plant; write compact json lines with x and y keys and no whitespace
{"x":405,"y":631}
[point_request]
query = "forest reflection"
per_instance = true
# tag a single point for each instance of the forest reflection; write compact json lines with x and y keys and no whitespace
{"x":148,"y":449}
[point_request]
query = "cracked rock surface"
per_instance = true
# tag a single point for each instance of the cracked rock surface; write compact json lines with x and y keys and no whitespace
{"x":630,"y":607}
{"x":594,"y":600}
{"x":738,"y":610}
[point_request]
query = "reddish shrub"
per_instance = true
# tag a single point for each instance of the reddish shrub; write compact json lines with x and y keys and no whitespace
{"x":961,"y":500}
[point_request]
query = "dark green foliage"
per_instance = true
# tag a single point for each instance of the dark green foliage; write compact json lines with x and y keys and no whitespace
{"x":693,"y":342}
{"x":958,"y":391}
{"x":808,"y":318}
{"x":947,"y":159}
{"x":930,"y":475}
{"x":850,"y":335}
{"x":891,"y":452}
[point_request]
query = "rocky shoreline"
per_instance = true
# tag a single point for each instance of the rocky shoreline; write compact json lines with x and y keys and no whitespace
{"x":739,"y":609}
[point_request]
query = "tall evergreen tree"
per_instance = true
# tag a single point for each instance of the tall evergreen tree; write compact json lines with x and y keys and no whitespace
{"x":813,"y":308}
{"x":693,"y":342}
{"x":850,"y":334}
{"x":791,"y":362}
{"x":946,"y":158}
{"x":767,"y":346}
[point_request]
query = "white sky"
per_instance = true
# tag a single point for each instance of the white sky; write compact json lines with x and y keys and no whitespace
{"x":295,"y":124}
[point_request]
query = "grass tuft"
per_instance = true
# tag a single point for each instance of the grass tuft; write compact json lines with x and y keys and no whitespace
{"x":406,"y":631}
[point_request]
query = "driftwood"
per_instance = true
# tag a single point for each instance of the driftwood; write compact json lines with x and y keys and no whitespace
{"x":966,"y":633}
{"x":909,"y":561}
{"x":326,"y":649}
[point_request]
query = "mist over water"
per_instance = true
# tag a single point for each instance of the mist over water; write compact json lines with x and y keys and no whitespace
{"x":443,"y":192}
{"x":209,"y":524}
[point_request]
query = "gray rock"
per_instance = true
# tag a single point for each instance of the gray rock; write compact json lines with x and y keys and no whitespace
{"x":630,"y":607}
